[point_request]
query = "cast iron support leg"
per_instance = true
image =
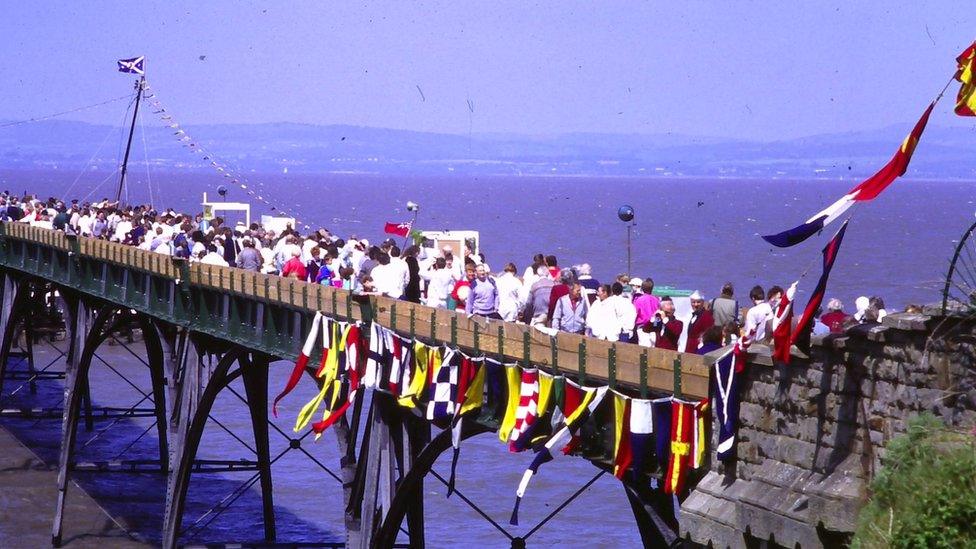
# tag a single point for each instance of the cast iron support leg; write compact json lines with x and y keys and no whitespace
{"x":84,"y":339}
{"x":196,"y":397}
{"x":651,"y":512}
{"x":10,"y":313}
{"x":255,"y":373}
{"x":87,"y":403}
{"x":418,"y":436}
{"x":404,"y":497}
{"x":29,"y":348}
{"x":156,"y":360}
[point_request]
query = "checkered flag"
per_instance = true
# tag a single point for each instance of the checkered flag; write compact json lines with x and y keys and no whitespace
{"x":442,"y":403}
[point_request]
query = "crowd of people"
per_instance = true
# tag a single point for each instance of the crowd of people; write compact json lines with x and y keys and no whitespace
{"x":547,"y":295}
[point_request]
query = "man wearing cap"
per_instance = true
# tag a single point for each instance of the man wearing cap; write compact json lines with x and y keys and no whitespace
{"x":701,"y":320}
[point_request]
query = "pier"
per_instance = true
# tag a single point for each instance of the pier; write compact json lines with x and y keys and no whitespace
{"x":206,"y":325}
{"x":813,"y":433}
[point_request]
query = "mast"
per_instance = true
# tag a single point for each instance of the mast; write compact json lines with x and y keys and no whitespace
{"x":140,"y":85}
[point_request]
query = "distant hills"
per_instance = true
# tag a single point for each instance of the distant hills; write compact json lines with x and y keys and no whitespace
{"x":299,"y":148}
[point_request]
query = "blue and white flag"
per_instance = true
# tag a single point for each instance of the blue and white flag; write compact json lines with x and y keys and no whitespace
{"x":136,"y":65}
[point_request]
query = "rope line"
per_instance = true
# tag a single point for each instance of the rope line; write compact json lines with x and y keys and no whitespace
{"x":575,"y":495}
{"x":62,"y":113}
{"x":473,"y":506}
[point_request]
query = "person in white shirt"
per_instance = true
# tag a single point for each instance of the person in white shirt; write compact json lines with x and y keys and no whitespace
{"x":509,"y":291}
{"x":85,"y":223}
{"x":625,"y":312}
{"x":601,"y":320}
{"x":122,"y":228}
{"x":400,"y":266}
{"x":213,"y":258}
{"x":387,"y":279}
{"x":762,"y":313}
{"x":440,"y":283}
{"x":165,"y":246}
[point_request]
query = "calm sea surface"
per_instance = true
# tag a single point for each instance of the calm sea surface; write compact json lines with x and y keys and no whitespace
{"x":692,"y":234}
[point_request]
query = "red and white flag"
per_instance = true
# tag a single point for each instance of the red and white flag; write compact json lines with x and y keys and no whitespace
{"x":783,"y":326}
{"x":301,"y":363}
{"x":399,"y":229}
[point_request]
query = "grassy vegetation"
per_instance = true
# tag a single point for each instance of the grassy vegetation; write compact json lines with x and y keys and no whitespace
{"x":925,"y":494}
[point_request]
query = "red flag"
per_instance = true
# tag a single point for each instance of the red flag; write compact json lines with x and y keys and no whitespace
{"x":301,"y":363}
{"x":966,"y":98}
{"x":783,"y":326}
{"x":895,"y":168}
{"x":682,"y":430}
{"x":867,"y":190}
{"x":622,"y":452}
{"x":399,"y":229}
{"x":829,"y":255}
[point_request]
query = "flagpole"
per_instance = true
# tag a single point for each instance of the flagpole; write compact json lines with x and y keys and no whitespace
{"x":416,"y":210}
{"x":140,"y":85}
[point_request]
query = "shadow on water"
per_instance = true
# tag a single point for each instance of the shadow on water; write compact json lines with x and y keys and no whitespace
{"x":136,"y":500}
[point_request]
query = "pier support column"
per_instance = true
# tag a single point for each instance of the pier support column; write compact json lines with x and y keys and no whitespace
{"x":255,"y":374}
{"x":654,"y":512}
{"x":410,"y":487}
{"x":156,"y":359}
{"x":198,"y":388}
{"x":12,"y":305}
{"x":86,"y":334}
{"x":378,"y":478}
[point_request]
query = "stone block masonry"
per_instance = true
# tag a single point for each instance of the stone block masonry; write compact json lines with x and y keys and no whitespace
{"x":813,"y":434}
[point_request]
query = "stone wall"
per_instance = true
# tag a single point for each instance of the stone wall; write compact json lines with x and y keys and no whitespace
{"x":813,"y":434}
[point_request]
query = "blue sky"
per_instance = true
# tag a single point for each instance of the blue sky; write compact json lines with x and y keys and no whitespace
{"x":758,"y":70}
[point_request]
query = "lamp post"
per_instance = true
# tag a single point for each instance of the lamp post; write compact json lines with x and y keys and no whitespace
{"x":626,"y":214}
{"x":415,"y":208}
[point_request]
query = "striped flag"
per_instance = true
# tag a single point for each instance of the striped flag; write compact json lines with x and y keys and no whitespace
{"x":301,"y":363}
{"x":513,"y":386}
{"x":380,"y":358}
{"x":783,"y":326}
{"x":868,"y":190}
{"x":622,"y":454}
{"x":725,"y":396}
{"x":561,"y":442}
{"x":417,"y":378}
{"x":661,"y":409}
{"x":632,"y":434}
{"x":527,"y":412}
{"x":966,"y":98}
{"x":700,"y":437}
{"x":328,"y":373}
{"x":682,"y":432}
{"x":801,"y":334}
{"x":345,"y":381}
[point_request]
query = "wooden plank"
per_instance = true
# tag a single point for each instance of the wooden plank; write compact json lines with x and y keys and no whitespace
{"x":274,"y":290}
